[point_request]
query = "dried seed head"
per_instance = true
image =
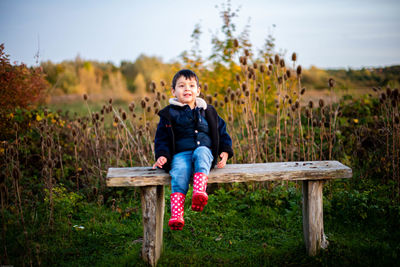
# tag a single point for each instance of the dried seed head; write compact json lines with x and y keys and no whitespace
{"x":143,"y":103}
{"x":163,"y":97}
{"x":255,"y":131}
{"x":394,"y":103}
{"x":294,"y":56}
{"x":235,"y":43}
{"x":226,"y":99}
{"x":216,"y":103}
{"x":119,"y":110}
{"x":110,"y":101}
{"x":288,"y":73}
{"x":205,"y":87}
{"x":257,"y":98}
{"x":209,"y":99}
{"x":290,"y":101}
{"x":228,"y":90}
{"x":285,"y":77}
{"x":249,"y":75}
{"x":396,"y":120}
{"x":246,"y":52}
{"x":297,"y":104}
{"x":162,"y":83}
{"x":244,"y":61}
{"x":246,"y":93}
{"x":221,"y":104}
{"x":237,"y":76}
{"x":277,"y":59}
{"x":303,"y":91}
{"x":395,"y":93}
{"x":280,"y":80}
{"x":310,"y":104}
{"x":270,"y":67}
{"x":148,"y":109}
{"x":321,"y":103}
{"x":146,"y":98}
{"x":85,"y":97}
{"x":97,"y":116}
{"x":271,"y":61}
{"x":153,"y":86}
{"x":156,"y":111}
{"x":298,"y":71}
{"x":331,"y":82}
{"x":215,"y":94}
{"x":388,"y":92}
{"x":116,"y":120}
{"x":244,"y":86}
{"x":262,"y":68}
{"x":242,"y":101}
{"x":383,"y":96}
{"x":282,"y":62}
{"x":123,"y":115}
{"x":230,"y":118}
{"x":293,"y":107}
{"x":255,"y":66}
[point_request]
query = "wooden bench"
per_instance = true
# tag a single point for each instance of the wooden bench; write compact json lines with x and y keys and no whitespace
{"x":312,"y":173}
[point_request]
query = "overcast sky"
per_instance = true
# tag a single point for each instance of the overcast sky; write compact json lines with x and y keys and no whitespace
{"x":327,"y":34}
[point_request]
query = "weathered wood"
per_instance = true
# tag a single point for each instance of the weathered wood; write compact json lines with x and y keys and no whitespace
{"x":313,"y":220}
{"x":256,"y":172}
{"x":153,"y":203}
{"x":312,"y":173}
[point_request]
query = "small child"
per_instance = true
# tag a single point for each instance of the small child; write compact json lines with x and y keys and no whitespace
{"x":190,"y":136}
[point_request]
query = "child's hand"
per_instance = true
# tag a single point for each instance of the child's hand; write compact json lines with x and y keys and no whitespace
{"x":160,"y":162}
{"x":224,"y":158}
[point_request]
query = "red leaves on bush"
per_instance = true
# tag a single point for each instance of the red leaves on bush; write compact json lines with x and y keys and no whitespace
{"x":20,"y":86}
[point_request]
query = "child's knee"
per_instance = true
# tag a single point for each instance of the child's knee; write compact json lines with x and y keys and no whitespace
{"x":202,"y":152}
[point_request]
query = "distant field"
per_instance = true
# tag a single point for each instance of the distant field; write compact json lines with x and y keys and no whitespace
{"x":76,"y":104}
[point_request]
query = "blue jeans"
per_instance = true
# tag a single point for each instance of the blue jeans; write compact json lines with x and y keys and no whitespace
{"x":185,"y":164}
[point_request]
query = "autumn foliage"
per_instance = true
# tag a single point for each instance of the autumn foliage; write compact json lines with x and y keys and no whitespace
{"x":20,"y":86}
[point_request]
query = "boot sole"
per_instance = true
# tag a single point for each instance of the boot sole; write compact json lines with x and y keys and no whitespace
{"x":176,"y":225}
{"x":199,"y":200}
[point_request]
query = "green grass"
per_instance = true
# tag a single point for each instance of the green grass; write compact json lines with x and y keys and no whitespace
{"x":80,"y":108}
{"x":245,"y":225}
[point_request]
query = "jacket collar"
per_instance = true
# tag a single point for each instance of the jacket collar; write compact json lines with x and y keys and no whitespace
{"x":200,"y":103}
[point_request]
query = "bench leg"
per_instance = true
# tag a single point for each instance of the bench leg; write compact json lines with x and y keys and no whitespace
{"x":153,"y":203}
{"x":313,"y":221}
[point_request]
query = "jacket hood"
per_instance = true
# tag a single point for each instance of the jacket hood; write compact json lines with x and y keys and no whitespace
{"x":200,"y":103}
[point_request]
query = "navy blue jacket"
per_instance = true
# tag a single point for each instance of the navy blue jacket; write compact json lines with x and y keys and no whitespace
{"x":165,"y":139}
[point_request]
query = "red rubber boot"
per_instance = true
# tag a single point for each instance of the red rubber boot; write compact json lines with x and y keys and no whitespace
{"x":200,"y":197}
{"x":177,"y":207}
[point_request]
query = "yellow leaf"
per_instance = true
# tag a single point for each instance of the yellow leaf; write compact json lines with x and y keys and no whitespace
{"x":355,"y":120}
{"x":38,"y":118}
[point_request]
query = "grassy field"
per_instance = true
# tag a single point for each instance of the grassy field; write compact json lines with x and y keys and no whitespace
{"x":242,"y":225}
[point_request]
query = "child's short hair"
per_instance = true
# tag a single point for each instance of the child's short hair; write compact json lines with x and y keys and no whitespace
{"x":188,"y":74}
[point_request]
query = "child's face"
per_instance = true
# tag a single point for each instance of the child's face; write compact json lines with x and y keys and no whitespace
{"x":186,"y":91}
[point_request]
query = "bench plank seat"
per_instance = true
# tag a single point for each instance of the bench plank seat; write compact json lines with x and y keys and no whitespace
{"x":256,"y":172}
